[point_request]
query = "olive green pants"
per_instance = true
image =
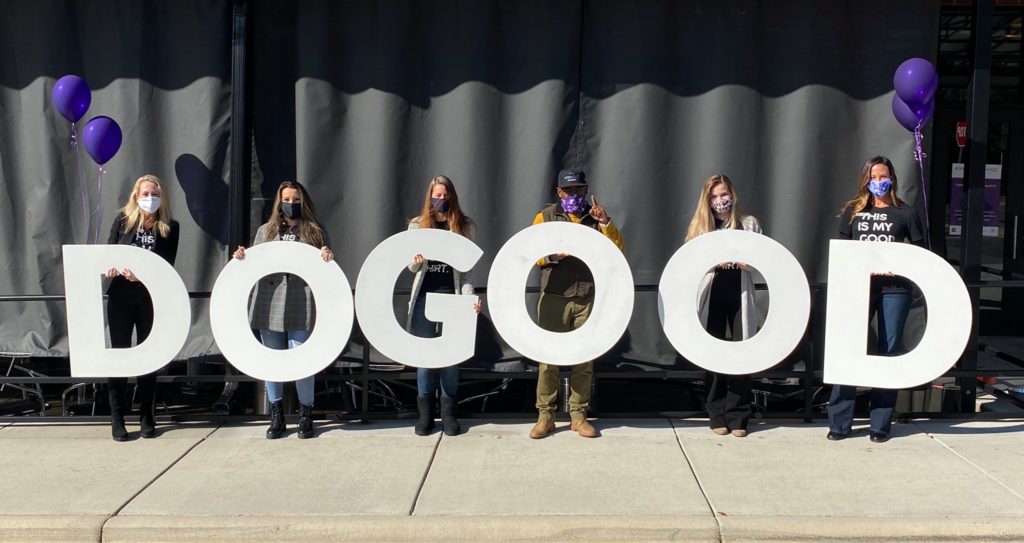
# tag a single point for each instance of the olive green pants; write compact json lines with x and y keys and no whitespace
{"x":561,"y":314}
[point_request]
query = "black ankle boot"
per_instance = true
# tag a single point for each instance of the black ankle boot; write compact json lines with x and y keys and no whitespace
{"x":115,"y":396}
{"x":276,"y":421}
{"x":117,"y":429}
{"x":425,"y":424}
{"x":305,"y":421}
{"x":448,"y":421}
{"x":147,"y":423}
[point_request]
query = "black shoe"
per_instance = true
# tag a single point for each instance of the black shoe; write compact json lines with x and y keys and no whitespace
{"x":425,"y":424}
{"x":305,"y":422}
{"x":117,"y":429}
{"x":276,"y":421}
{"x":836,"y":436}
{"x":879,"y":437}
{"x":449,"y":423}
{"x":147,"y":425}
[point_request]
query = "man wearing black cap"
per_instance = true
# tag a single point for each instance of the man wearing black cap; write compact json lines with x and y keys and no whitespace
{"x":567,"y":296}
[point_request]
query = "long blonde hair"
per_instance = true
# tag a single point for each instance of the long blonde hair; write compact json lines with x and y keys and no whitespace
{"x":458,"y":222}
{"x":863,"y":198}
{"x":310,"y":230}
{"x":703,"y":220}
{"x":135,"y":216}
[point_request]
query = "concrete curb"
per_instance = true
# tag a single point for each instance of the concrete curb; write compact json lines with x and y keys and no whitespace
{"x":865,"y":529}
{"x":413,"y":528}
{"x":37,"y":528}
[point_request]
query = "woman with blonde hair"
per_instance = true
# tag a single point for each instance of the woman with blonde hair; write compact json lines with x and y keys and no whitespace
{"x":440,"y":210}
{"x":877,"y":214}
{"x":145,"y":222}
{"x":726,"y":304}
{"x":282,"y":308}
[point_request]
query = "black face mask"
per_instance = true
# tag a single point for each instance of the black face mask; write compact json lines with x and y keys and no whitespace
{"x":439,"y":205}
{"x":292,"y":210}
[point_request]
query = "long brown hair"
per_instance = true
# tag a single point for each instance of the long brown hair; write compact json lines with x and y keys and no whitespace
{"x":134,"y":214}
{"x":310,"y":230}
{"x":863,"y":199}
{"x":703,"y":220}
{"x":458,"y":222}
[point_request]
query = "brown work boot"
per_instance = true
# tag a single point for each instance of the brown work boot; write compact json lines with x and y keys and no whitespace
{"x":544,"y":427}
{"x":584,"y":428}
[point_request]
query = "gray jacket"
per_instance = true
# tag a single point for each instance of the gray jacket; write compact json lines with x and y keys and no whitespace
{"x":282,"y":302}
{"x":463,"y":281}
{"x":749,"y":318}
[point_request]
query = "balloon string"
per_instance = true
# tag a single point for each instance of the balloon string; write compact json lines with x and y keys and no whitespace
{"x":80,"y":183}
{"x":99,"y":204}
{"x":919,"y":157}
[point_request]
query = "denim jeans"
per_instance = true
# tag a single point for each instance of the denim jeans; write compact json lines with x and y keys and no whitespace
{"x":891,"y":310}
{"x":288,"y":340}
{"x":427,"y":380}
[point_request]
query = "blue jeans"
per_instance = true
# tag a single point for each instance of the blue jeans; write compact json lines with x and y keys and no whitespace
{"x":427,"y":379}
{"x":891,"y":309}
{"x":288,"y":340}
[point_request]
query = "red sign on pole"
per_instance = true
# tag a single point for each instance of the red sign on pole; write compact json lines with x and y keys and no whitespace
{"x":961,"y":134}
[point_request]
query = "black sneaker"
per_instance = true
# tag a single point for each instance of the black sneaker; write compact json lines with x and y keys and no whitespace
{"x":879,"y":437}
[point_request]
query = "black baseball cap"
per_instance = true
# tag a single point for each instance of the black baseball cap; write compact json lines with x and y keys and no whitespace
{"x":571,"y":178}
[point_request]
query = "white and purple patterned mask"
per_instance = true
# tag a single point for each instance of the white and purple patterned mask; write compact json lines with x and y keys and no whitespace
{"x":721,"y":205}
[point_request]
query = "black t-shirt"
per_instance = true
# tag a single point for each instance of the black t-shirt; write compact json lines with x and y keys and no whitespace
{"x":145,"y":239}
{"x":887,"y":224}
{"x":289,"y":233}
{"x":439,"y":276}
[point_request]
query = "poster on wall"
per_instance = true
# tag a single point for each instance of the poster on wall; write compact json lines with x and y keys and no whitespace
{"x":990,"y":213}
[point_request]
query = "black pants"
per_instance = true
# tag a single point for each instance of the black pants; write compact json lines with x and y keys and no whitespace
{"x":728,"y":401}
{"x":129,"y":308}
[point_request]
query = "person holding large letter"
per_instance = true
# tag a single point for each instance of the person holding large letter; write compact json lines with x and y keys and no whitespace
{"x":282,"y":308}
{"x":726,"y":303}
{"x":440,"y":210}
{"x":877,"y":214}
{"x":145,"y":221}
{"x":566,"y":299}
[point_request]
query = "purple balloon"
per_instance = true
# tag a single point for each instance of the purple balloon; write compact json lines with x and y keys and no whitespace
{"x":101,"y":138}
{"x":915,"y":82}
{"x":71,"y":96}
{"x":909,"y":117}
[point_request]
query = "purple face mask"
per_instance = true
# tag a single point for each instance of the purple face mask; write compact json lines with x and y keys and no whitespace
{"x":575,"y":205}
{"x":880,"y":187}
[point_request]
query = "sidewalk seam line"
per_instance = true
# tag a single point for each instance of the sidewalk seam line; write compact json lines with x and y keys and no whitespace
{"x":423,"y":480}
{"x":103,"y":527}
{"x":700,"y":484}
{"x":969,"y":462}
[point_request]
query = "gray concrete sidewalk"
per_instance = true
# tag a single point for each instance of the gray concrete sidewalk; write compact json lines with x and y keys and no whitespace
{"x":644,"y":480}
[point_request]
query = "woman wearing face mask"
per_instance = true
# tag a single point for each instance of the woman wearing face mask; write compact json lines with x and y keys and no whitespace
{"x":440,"y":210}
{"x":282,"y":308}
{"x":144,"y":222}
{"x":726,"y":304}
{"x":877,"y":214}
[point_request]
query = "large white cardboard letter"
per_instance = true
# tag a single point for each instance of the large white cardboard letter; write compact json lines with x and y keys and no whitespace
{"x":787,"y":318}
{"x":375,"y":293}
{"x":229,"y":311}
{"x":613,"y":293}
{"x":84,"y":266}
{"x":850,"y":266}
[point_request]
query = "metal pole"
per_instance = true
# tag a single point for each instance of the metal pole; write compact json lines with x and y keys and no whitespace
{"x":974,"y":185}
{"x":240,"y":187}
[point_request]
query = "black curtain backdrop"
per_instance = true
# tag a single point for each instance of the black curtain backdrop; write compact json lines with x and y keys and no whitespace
{"x":365,"y":101}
